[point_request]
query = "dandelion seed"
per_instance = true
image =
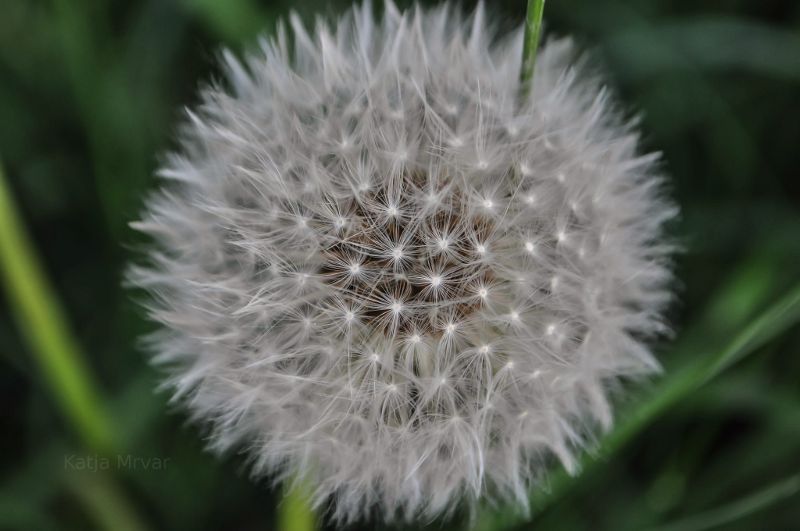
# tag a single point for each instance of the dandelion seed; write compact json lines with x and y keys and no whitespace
{"x":456,"y":142}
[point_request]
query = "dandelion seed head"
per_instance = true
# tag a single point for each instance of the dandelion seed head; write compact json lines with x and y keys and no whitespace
{"x":322,"y":275}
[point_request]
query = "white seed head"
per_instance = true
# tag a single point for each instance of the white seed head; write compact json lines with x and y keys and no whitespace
{"x":366,"y":264}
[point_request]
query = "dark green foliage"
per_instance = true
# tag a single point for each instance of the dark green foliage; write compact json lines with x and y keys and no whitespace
{"x":90,"y":92}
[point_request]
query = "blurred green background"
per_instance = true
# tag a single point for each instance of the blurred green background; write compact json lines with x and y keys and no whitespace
{"x":90,"y":95}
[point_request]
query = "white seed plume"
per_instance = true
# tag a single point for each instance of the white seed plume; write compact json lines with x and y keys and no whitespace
{"x":378,"y":269}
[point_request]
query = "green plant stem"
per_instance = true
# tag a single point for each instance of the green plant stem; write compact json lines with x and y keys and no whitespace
{"x":533,"y":30}
{"x":44,"y":326}
{"x":233,"y":20}
{"x":295,"y":512}
{"x":738,"y":509}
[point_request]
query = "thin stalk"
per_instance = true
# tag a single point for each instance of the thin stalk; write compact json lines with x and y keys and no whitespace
{"x":295,"y":512}
{"x":533,"y":30}
{"x":43,"y":324}
{"x":44,"y":327}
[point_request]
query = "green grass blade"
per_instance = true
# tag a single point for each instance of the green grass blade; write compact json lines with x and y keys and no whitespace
{"x":773,"y":322}
{"x":675,"y":387}
{"x":727,"y":514}
{"x":44,"y":326}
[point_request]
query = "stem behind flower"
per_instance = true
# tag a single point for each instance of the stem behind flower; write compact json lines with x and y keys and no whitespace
{"x":533,"y":29}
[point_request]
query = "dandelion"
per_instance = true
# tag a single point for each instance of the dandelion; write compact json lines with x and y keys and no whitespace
{"x":379,"y":266}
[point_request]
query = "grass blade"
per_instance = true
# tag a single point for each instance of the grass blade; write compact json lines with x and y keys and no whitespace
{"x":675,"y":387}
{"x":738,"y":509}
{"x":44,"y":326}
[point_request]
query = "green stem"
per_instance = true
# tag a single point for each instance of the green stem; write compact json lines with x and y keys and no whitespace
{"x":43,"y":324}
{"x":295,"y":512}
{"x":533,"y":30}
